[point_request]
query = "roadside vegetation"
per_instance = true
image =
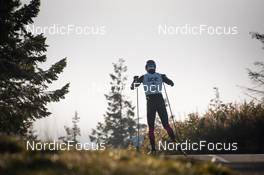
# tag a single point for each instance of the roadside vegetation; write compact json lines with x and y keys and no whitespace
{"x":15,"y":160}
{"x":228,"y":123}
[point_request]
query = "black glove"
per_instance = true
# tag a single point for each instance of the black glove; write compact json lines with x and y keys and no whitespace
{"x":135,"y":78}
{"x":132,"y":87}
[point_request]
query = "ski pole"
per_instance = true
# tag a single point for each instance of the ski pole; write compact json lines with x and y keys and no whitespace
{"x":169,"y":107}
{"x":137,"y":121}
{"x":183,"y":152}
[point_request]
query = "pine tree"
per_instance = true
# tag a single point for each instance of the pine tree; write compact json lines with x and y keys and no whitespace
{"x":24,"y":85}
{"x":257,"y":75}
{"x":215,"y":103}
{"x":119,"y":124}
{"x":73,"y":132}
{"x":31,"y":134}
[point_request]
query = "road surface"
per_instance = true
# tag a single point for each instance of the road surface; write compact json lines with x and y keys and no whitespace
{"x":245,"y":164}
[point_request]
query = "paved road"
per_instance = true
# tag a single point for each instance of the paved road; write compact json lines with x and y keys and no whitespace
{"x":246,"y":164}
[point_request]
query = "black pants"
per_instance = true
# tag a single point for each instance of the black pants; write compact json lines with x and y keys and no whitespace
{"x":156,"y":104}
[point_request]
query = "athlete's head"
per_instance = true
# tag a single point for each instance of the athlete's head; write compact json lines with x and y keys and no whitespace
{"x":150,"y":66}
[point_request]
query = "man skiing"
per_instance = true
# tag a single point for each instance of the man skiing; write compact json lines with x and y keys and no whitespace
{"x":152,"y":82}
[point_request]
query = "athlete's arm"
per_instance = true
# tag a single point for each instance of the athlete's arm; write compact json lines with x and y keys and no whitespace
{"x":166,"y":80}
{"x":136,"y":82}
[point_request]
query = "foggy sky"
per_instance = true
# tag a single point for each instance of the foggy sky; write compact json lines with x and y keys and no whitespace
{"x":196,"y":63}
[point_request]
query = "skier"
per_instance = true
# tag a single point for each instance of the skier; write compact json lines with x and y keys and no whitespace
{"x":152,"y":83}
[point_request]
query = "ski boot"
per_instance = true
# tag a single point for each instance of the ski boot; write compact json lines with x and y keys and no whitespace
{"x":152,"y":152}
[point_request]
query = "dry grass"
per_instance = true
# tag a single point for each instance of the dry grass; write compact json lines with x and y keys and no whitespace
{"x":110,"y":162}
{"x":115,"y":162}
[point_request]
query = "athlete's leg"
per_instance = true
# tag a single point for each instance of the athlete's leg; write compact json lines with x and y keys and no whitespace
{"x":162,"y":111}
{"x":151,"y":114}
